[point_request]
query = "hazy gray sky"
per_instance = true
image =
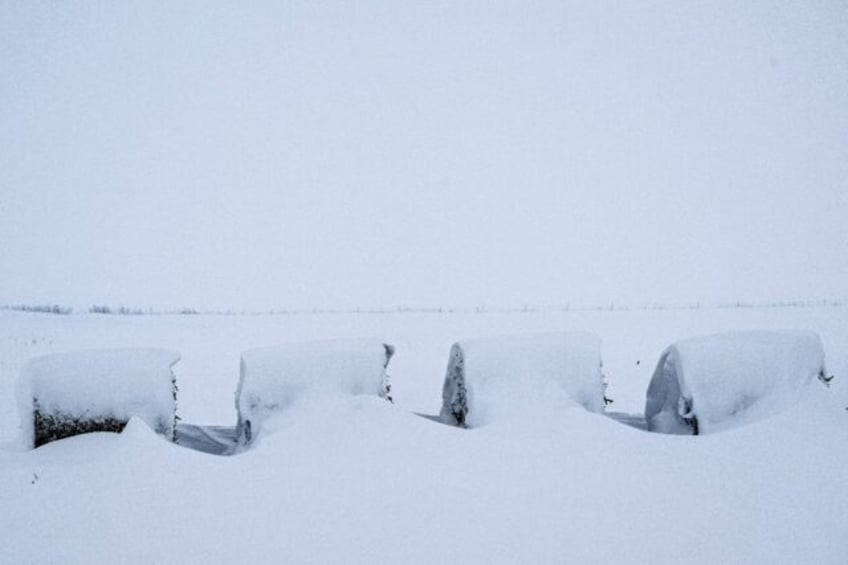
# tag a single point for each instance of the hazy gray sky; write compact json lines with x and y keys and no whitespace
{"x":363,"y":154}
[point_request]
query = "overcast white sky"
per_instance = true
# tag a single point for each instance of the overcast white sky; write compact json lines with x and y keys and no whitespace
{"x":338,"y":154}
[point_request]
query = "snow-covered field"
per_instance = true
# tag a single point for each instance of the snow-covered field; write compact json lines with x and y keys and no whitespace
{"x":361,"y":480}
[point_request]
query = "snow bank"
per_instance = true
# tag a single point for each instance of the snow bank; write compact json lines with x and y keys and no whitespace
{"x":273,"y":378}
{"x":490,"y":378}
{"x":66,"y":394}
{"x":707,"y":384}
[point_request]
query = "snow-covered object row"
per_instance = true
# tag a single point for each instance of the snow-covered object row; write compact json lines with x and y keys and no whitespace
{"x":67,"y":394}
{"x":712,"y":383}
{"x":489,"y":379}
{"x":273,"y":378}
{"x":700,"y":385}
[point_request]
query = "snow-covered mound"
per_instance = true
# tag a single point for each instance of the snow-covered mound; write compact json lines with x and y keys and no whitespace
{"x":711,"y":383}
{"x":491,"y":378}
{"x":273,"y":378}
{"x":359,"y":480}
{"x":67,"y":394}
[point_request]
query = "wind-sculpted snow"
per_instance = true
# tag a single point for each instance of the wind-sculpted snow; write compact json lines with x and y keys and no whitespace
{"x":707,"y":384}
{"x":520,"y":375}
{"x":358,"y":480}
{"x":88,"y":390}
{"x":355,"y":479}
{"x":274,"y":378}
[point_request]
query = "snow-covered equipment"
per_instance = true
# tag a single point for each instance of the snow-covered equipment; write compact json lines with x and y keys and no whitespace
{"x":274,"y":378}
{"x":67,"y":394}
{"x":490,"y":378}
{"x":712,"y":383}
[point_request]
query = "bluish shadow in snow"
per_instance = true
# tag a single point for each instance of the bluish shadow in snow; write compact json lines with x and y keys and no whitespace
{"x":433,"y":418}
{"x":633,"y":420}
{"x":217,"y":440}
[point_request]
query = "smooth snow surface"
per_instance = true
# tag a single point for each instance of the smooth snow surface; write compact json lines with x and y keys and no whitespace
{"x":355,"y":479}
{"x":731,"y":379}
{"x":90,"y":384}
{"x":274,"y":378}
{"x":520,"y":376}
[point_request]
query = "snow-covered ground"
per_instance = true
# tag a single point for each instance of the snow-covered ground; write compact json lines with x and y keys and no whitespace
{"x":356,"y":479}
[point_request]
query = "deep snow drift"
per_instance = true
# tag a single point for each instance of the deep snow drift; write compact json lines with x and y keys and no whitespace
{"x":97,"y":386}
{"x":273,"y":378}
{"x":716,"y":382}
{"x":520,"y":376}
{"x":357,"y":479}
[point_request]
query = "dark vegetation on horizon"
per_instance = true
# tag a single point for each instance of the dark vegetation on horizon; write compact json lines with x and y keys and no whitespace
{"x":121,"y":310}
{"x":40,"y":308}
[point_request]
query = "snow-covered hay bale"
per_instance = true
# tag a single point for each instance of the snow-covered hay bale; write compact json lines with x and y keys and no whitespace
{"x":67,"y":394}
{"x":273,"y":378}
{"x":493,"y":377}
{"x":711,"y":383}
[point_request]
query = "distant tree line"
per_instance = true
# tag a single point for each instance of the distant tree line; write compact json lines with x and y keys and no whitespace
{"x":525,"y":308}
{"x":40,"y":308}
